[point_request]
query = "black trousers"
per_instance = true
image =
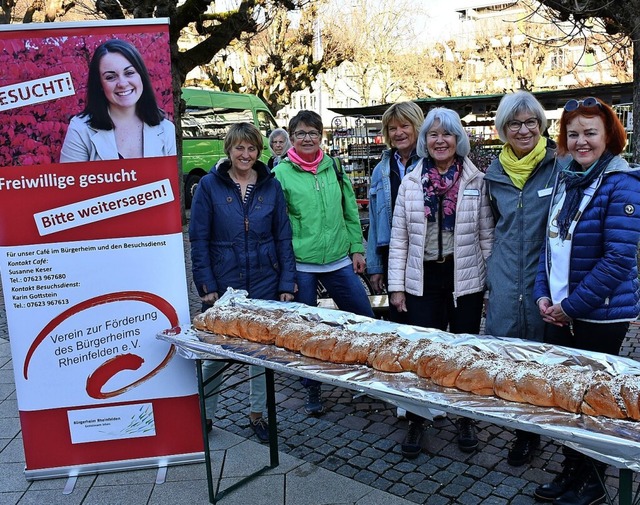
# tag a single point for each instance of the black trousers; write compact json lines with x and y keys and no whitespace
{"x":598,"y":337}
{"x":436,"y":308}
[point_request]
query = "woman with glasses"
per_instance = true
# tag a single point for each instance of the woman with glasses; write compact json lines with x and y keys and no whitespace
{"x":519,"y":183}
{"x":279,"y":144}
{"x":327,"y":237}
{"x":441,"y":237}
{"x":587,"y":286}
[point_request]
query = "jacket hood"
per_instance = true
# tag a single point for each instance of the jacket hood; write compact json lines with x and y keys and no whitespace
{"x":619,"y":164}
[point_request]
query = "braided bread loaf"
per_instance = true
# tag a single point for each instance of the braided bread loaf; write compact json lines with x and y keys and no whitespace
{"x":460,"y":366}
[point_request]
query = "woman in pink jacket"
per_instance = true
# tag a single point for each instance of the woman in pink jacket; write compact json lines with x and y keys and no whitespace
{"x":441,"y":236}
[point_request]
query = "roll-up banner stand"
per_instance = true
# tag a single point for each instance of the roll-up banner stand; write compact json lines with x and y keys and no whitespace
{"x":91,"y":251}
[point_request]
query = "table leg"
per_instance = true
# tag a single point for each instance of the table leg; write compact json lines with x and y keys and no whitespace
{"x":273,"y":421}
{"x":626,"y":486}
{"x":205,"y":434}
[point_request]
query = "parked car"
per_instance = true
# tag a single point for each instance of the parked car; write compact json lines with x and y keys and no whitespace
{"x":205,"y":123}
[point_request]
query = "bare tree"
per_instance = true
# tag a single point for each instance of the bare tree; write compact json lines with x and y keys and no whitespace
{"x":216,"y":28}
{"x":279,"y":60}
{"x":617,"y":20}
{"x":375,"y":34}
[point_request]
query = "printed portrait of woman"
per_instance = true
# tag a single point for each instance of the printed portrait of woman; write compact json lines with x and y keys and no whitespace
{"x":121,"y":118}
{"x":102,"y":96}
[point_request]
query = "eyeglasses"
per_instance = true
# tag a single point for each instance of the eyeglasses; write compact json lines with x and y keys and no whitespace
{"x":515,"y":125}
{"x":572,"y":104}
{"x":300,"y":135}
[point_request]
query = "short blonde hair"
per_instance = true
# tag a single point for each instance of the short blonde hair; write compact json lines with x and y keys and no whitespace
{"x":240,"y":132}
{"x":399,"y":113}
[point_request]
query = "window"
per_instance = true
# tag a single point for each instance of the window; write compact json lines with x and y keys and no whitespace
{"x":266,"y":124}
{"x":212,"y":123}
{"x":560,"y":58}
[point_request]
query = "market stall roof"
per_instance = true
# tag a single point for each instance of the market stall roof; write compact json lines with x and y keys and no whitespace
{"x":487,"y":104}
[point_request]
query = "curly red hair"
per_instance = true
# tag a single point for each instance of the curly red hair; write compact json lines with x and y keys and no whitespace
{"x":616,"y":134}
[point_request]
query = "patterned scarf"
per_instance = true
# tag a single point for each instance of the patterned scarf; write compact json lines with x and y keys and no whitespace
{"x":576,"y":180}
{"x":441,"y":189}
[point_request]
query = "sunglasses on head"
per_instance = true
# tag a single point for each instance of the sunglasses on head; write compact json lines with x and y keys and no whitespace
{"x":573,"y":104}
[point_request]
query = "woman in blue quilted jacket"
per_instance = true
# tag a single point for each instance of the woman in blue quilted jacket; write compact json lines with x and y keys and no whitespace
{"x":241,"y":238}
{"x":587,"y":286}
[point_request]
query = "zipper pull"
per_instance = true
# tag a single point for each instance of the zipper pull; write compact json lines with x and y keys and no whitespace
{"x":246,"y":224}
{"x":317,"y":185}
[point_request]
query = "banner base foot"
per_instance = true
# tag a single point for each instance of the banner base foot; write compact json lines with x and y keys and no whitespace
{"x":70,"y":484}
{"x":73,"y":472}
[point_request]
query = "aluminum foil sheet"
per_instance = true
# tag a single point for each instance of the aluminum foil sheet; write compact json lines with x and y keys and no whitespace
{"x":612,"y":441}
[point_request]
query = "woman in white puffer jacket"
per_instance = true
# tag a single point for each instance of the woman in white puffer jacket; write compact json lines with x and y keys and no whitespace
{"x":441,"y":237}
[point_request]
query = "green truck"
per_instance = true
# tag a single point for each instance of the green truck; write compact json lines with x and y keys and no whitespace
{"x":206,"y":120}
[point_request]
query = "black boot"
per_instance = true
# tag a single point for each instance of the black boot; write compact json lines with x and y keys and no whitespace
{"x":523,"y":448}
{"x":587,"y":489}
{"x":314,"y":406}
{"x":467,"y":437}
{"x":572,"y":467}
{"x":412,"y":444}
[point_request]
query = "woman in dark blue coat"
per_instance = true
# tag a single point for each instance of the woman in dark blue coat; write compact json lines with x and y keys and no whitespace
{"x":587,"y":286}
{"x":241,"y":238}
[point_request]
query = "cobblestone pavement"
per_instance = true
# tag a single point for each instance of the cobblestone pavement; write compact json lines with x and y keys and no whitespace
{"x":358,"y":437}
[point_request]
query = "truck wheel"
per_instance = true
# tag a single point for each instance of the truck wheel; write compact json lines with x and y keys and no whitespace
{"x":189,"y":189}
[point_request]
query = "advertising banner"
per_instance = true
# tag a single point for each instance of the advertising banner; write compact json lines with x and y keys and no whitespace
{"x":91,"y":247}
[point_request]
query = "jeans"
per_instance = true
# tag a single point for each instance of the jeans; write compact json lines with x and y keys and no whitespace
{"x":257,"y":387}
{"x":343,"y":285}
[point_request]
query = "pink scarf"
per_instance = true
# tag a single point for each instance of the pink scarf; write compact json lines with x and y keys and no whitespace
{"x":307,"y":166}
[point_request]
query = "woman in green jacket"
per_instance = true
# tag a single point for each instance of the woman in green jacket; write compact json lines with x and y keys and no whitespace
{"x":327,"y":237}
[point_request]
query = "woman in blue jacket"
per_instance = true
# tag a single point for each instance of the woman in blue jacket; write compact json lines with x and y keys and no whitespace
{"x":241,"y":238}
{"x":400,"y":126}
{"x":587,"y":286}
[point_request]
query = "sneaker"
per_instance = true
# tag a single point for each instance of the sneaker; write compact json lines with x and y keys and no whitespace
{"x":260,"y":428}
{"x":523,"y":448}
{"x":314,"y":405}
{"x":467,"y":438}
{"x":411,"y":446}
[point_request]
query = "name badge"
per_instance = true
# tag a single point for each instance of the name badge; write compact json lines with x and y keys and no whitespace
{"x":471,"y":192}
{"x":544,"y":192}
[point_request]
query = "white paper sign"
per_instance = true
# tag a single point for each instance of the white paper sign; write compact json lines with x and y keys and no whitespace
{"x":111,"y":423}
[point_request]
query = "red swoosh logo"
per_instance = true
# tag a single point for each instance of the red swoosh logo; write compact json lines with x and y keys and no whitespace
{"x":112,"y":366}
